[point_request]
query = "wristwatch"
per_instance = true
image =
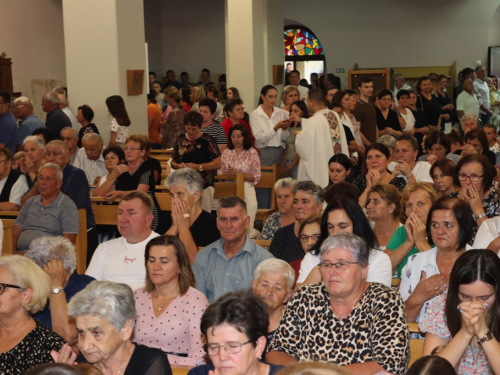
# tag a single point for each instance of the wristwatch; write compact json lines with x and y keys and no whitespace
{"x":480,"y":216}
{"x":201,"y":168}
{"x":57,"y":290}
{"x":487,"y":337}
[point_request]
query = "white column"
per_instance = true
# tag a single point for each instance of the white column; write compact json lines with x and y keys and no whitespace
{"x":254,"y":43}
{"x":103,"y":39}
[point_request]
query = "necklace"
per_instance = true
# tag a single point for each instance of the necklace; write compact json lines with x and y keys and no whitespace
{"x":389,"y":236}
{"x":159,"y":300}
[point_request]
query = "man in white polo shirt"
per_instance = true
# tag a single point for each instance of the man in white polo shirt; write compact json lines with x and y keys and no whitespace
{"x":481,"y":87}
{"x":467,"y":103}
{"x":122,"y":260}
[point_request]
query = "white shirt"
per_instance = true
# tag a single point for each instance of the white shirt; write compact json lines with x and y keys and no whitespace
{"x":315,"y":147}
{"x":121,"y":131}
{"x":92,"y":168}
{"x":19,"y":188}
{"x":481,"y":87}
{"x":421,"y":171}
{"x":409,"y":119}
{"x":468,"y":103}
{"x":121,"y":262}
{"x":263,"y":127}
{"x":74,"y":123}
{"x":410,"y":276}
{"x":488,"y":231}
{"x":379,"y":267}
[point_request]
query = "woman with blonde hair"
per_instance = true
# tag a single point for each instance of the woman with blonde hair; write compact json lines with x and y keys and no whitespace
{"x":383,"y":210}
{"x":417,"y":200}
{"x":24,"y":290}
{"x":289,"y":96}
{"x":198,"y":93}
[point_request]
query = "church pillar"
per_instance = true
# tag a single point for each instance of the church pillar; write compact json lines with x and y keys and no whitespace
{"x":254,"y":43}
{"x":104,"y":39}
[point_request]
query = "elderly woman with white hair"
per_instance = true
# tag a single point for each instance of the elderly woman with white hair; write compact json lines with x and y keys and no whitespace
{"x":196,"y":228}
{"x":273,"y":281}
{"x":57,"y":257}
{"x":105,"y":317}
{"x":285,"y":215}
{"x":24,"y":290}
{"x":344,"y":319}
{"x":34,"y":156}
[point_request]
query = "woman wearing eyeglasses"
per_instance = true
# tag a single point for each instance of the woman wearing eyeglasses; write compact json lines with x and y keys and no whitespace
{"x":235,"y":327}
{"x":426,"y":275}
{"x":475,"y":176}
{"x":24,"y":290}
{"x":137,"y":174}
{"x":344,"y":319}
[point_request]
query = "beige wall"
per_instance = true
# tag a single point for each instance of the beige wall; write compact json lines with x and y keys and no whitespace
{"x":32,"y":35}
{"x":98,"y":59}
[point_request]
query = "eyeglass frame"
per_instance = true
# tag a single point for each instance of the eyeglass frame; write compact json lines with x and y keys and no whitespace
{"x":208,"y":348}
{"x":304,"y":237}
{"x":4,"y":286}
{"x":337,"y":265}
{"x":132,"y":148}
{"x":462,"y":177}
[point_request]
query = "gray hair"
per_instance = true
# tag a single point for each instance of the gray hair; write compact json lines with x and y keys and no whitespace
{"x":398,"y":76}
{"x":34,"y":139}
{"x":284,"y":183}
{"x":43,"y":249}
{"x":63,"y":99}
{"x":52,"y":97}
{"x":59,"y":90}
{"x":59,"y":143}
{"x":468,"y":116}
{"x":59,"y":172}
{"x":105,"y":299}
{"x":276,"y":266}
{"x":310,"y":188}
{"x":24,"y":100}
{"x":191,"y":180}
{"x":65,"y":129}
{"x":349,"y":242}
{"x":93,"y":137}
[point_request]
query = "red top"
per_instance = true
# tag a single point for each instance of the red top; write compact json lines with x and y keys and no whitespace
{"x":226,"y":124}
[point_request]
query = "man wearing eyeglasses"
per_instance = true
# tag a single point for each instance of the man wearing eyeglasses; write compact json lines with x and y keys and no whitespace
{"x":8,"y":124}
{"x":13,"y":184}
{"x":29,"y":122}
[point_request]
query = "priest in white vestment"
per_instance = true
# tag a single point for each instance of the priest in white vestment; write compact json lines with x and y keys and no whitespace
{"x":321,"y":137}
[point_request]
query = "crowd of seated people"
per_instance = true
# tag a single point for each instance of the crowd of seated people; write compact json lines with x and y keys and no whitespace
{"x":368,"y":194}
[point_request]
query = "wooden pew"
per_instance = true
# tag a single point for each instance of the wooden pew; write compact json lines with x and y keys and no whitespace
{"x":229,"y":186}
{"x":268,"y":179}
{"x":164,"y":201}
{"x":7,"y":236}
{"x":395,"y":283}
{"x":416,"y":345}
{"x":80,"y":242}
{"x":180,"y":369}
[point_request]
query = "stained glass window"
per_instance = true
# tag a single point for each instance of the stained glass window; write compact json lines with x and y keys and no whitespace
{"x":300,"y":42}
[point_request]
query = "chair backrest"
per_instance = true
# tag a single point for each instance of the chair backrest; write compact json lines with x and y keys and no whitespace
{"x":7,"y":236}
{"x":395,"y":283}
{"x":296,"y":267}
{"x":106,"y":214}
{"x":164,"y":201}
{"x":268,"y":179}
{"x":416,"y":349}
{"x":81,"y":242}
{"x":230,"y":186}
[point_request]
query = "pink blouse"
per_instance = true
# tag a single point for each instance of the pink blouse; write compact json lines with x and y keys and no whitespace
{"x":246,"y":162}
{"x":176,"y":330}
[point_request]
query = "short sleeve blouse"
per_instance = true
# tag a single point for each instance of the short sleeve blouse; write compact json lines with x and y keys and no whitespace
{"x":474,"y":359}
{"x":121,"y":131}
{"x":201,"y":150}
